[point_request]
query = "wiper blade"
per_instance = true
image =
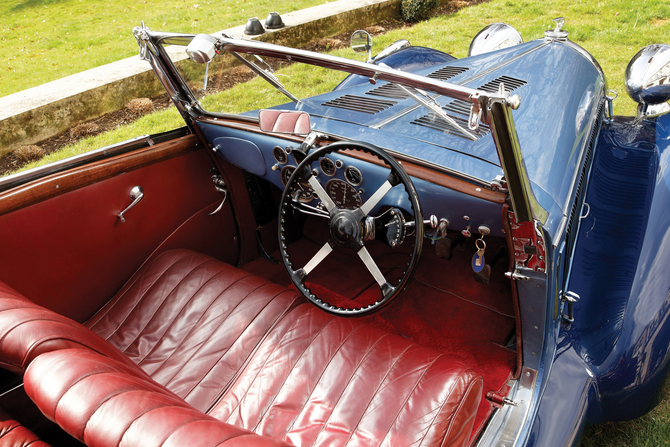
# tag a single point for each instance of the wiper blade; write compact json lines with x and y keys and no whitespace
{"x":429,"y":103}
{"x":265,"y":73}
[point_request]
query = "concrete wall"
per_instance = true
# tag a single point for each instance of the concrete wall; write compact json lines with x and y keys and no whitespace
{"x":36,"y":114}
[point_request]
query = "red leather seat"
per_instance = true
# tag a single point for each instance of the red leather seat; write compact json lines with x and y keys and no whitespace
{"x":317,"y":379}
{"x":247,"y":352}
{"x":191,"y":321}
{"x":13,"y":434}
{"x":103,"y":403}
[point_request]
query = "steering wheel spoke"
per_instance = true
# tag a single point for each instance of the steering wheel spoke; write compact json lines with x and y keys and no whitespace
{"x":317,"y":258}
{"x":321,"y":193}
{"x":369,"y":204}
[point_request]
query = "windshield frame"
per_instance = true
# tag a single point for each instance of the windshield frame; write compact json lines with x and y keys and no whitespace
{"x":493,"y":109}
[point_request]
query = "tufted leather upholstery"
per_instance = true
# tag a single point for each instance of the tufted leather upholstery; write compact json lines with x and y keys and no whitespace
{"x":13,"y":434}
{"x":245,"y":351}
{"x":103,"y":403}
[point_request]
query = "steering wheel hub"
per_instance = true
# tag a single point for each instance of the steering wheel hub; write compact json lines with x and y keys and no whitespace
{"x":345,"y":229}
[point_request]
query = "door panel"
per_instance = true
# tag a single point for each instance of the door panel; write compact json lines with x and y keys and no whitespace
{"x":68,"y":251}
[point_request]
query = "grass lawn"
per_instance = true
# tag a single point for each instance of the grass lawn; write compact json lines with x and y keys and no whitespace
{"x":44,"y":40}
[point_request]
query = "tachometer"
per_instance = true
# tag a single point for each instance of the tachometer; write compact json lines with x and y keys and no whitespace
{"x":306,"y":191}
{"x":343,"y":194}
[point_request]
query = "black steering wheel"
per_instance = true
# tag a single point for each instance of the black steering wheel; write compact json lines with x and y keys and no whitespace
{"x":350,"y":229}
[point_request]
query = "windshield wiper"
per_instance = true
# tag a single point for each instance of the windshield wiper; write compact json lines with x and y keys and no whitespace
{"x":429,"y":103}
{"x":265,"y":73}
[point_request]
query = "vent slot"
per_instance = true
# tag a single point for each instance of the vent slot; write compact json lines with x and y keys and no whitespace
{"x":432,"y":121}
{"x":510,"y":84}
{"x":389,"y":91}
{"x":360,"y":104}
{"x":448,"y":72}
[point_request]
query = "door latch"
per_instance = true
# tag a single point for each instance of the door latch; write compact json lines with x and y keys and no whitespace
{"x":220,"y":185}
{"x":569,"y":299}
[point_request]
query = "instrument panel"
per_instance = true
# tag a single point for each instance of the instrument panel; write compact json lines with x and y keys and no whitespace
{"x":343,"y":191}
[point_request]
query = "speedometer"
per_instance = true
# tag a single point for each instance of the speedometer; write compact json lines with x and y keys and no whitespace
{"x":343,"y":194}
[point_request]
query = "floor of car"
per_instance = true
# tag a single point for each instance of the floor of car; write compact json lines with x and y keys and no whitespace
{"x":443,"y":307}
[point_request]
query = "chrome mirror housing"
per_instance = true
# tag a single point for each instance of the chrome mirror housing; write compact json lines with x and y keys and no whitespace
{"x":202,"y":48}
{"x":648,"y":75}
{"x":495,"y":36}
{"x":361,"y":42}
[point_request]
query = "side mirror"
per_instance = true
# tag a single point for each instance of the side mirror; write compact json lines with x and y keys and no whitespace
{"x":361,"y":42}
{"x":284,"y":121}
{"x":648,"y":75}
{"x":202,"y":48}
{"x":495,"y":36}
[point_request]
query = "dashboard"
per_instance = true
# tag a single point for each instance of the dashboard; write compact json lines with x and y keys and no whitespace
{"x":349,"y":179}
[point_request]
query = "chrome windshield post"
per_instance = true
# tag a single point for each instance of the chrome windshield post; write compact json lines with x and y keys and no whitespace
{"x":500,"y":119}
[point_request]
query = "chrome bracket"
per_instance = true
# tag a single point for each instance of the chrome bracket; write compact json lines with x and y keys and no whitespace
{"x":475,"y":112}
{"x":610,"y":96}
{"x":141,"y":34}
{"x":516,"y":276}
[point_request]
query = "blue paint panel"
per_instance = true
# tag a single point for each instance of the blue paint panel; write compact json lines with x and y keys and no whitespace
{"x":242,"y":153}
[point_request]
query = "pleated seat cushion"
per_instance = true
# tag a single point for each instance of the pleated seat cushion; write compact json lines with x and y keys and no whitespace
{"x":191,"y":321}
{"x":317,"y":379}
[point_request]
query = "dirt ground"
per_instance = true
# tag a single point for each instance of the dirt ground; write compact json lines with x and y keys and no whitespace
{"x":19,"y":158}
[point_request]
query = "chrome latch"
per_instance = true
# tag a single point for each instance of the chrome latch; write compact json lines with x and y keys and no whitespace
{"x":516,"y":276}
{"x":569,"y":299}
{"x":220,"y":185}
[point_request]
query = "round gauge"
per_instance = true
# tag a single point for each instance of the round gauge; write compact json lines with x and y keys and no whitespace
{"x":353,"y":175}
{"x":343,"y":194}
{"x":327,"y":166}
{"x":280,"y":155}
{"x":306,"y":191}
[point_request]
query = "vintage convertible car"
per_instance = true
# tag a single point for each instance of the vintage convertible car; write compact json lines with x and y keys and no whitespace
{"x":420,"y":250}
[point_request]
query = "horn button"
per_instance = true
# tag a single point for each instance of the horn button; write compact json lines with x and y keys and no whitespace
{"x":346,"y":228}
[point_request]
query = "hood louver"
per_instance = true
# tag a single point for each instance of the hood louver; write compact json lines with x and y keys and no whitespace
{"x":360,"y":104}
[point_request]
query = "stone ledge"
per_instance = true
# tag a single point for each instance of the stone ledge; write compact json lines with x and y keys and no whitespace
{"x":33,"y":115}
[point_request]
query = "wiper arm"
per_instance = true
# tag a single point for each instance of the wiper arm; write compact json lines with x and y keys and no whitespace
{"x":428,"y":102}
{"x":265,"y":73}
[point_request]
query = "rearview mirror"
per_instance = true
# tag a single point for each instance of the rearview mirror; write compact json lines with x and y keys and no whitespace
{"x":361,"y":42}
{"x":284,"y":121}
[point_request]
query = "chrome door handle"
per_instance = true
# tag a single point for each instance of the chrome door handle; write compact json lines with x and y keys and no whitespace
{"x":136,"y":194}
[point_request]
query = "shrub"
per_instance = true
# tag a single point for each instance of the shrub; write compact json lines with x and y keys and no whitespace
{"x":140,"y":106}
{"x":415,"y":10}
{"x":84,"y":130}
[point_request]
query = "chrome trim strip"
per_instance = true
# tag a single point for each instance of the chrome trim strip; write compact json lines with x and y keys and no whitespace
{"x":57,"y":166}
{"x":506,"y":425}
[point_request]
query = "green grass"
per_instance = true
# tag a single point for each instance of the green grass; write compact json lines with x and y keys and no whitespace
{"x":44,"y":40}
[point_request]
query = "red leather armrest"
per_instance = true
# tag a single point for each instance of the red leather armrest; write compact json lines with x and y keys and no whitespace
{"x":103,"y":403}
{"x":28,"y":330}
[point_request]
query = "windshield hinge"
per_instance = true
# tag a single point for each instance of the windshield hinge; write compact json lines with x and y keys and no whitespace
{"x":499,"y":184}
{"x":141,"y":34}
{"x":528,"y":244}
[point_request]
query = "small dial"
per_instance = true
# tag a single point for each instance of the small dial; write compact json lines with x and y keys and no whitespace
{"x":343,"y":194}
{"x":280,"y":155}
{"x":306,"y":191}
{"x":327,"y":166}
{"x":353,"y":175}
